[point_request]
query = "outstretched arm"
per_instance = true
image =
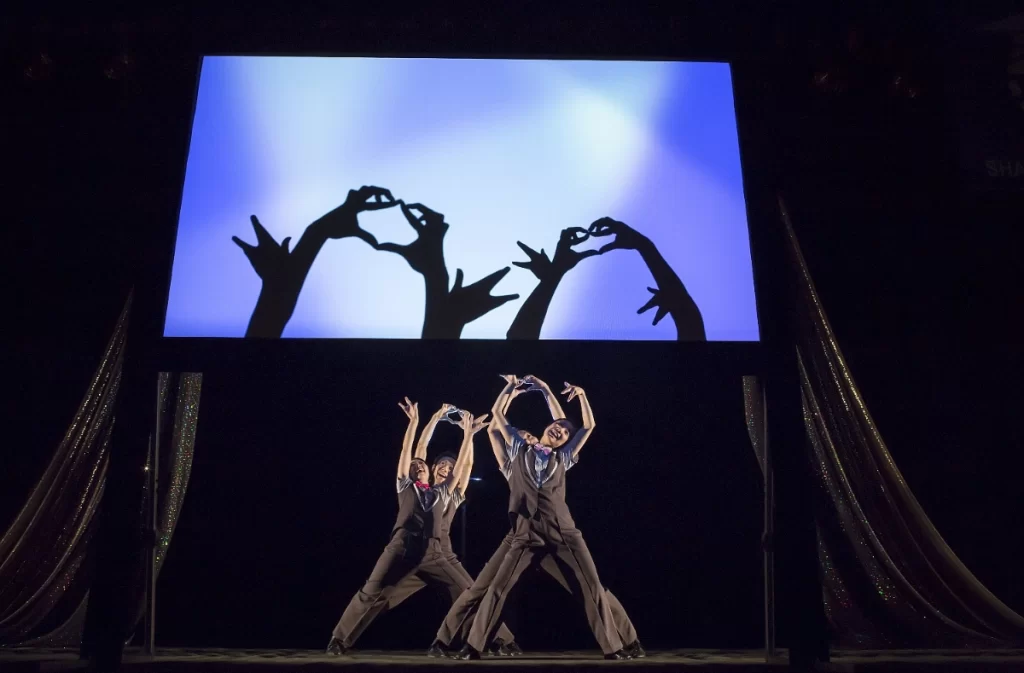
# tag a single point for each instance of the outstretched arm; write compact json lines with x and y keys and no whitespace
{"x":464,"y":463}
{"x":671,"y":296}
{"x":283,"y":272}
{"x":405,"y":457}
{"x":583,"y":434}
{"x":500,"y":433}
{"x":530,"y":319}
{"x":428,"y":431}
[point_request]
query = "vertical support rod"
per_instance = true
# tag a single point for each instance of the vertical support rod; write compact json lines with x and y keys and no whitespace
{"x":769,"y":535}
{"x":154,"y":523}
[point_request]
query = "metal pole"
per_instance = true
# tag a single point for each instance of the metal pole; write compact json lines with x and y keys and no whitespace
{"x":154,"y":523}
{"x":769,"y":534}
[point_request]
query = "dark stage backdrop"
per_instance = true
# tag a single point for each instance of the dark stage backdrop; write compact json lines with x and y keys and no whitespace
{"x":292,"y":499}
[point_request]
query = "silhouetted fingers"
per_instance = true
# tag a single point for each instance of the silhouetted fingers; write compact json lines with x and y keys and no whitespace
{"x":285,"y":242}
{"x":530,"y":252}
{"x":662,"y":312}
{"x":263,"y":237}
{"x":614,"y":245}
{"x":411,"y":217}
{"x":377,"y":205}
{"x":490,"y":281}
{"x":501,"y":300}
{"x":389,"y":247}
{"x":379,"y":195}
{"x":588,"y":253}
{"x":651,"y":303}
{"x":603,"y":227}
{"x":574,"y":235}
{"x":424,"y":210}
{"x":376,"y":198}
{"x":458,"y":279}
{"x":246,"y":247}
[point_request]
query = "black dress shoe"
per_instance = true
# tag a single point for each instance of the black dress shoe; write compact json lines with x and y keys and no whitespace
{"x":620,"y":655}
{"x":467,"y":653}
{"x":636,"y":650}
{"x":336,"y":648}
{"x":495,"y":648}
{"x":437,"y":650}
{"x":511,"y":649}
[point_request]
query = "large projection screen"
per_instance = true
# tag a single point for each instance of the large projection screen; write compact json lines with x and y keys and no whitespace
{"x":525,"y":199}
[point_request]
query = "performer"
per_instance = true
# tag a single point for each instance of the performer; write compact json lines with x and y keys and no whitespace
{"x":543,"y":532}
{"x":439,"y":547}
{"x":409,"y":558}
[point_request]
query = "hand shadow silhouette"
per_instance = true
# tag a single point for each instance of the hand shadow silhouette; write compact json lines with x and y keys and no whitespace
{"x":284,"y":272}
{"x":549,"y":272}
{"x":670,"y":296}
{"x":446,"y":311}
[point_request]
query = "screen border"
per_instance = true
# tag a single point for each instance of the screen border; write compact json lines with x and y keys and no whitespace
{"x":201,"y":353}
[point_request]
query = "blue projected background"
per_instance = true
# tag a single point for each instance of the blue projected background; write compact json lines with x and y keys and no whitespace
{"x":508,"y":151}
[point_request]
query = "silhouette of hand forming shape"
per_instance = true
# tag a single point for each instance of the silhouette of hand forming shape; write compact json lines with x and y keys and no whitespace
{"x":466,"y":304}
{"x":284,"y":271}
{"x":446,"y":311}
{"x":426,"y":253}
{"x":670,"y":297}
{"x":342,"y":222}
{"x":626,"y":238}
{"x":268,"y":258}
{"x":659,"y":300}
{"x":565,"y":257}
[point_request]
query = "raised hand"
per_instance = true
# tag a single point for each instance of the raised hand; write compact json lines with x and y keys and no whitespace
{"x":466,"y":422}
{"x":426,"y":253}
{"x":466,"y":304}
{"x":479,"y":423}
{"x":626,"y":238}
{"x":565,"y":259}
{"x":268,"y":258}
{"x":411,"y":409}
{"x":284,"y":271}
{"x":657,"y":300}
{"x":572,"y":391}
{"x":671,"y":296}
{"x":342,"y":222}
{"x":531,"y":383}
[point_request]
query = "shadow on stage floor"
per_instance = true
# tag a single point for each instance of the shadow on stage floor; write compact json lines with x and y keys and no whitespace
{"x":213,"y":660}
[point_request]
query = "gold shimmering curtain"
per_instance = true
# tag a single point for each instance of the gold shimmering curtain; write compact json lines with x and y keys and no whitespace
{"x":890,"y":580}
{"x":44,"y":594}
{"x":43,"y":551}
{"x":179,"y":407}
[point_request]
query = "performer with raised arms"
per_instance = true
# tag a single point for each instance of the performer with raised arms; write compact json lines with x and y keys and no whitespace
{"x":543,"y":532}
{"x":413,"y":557}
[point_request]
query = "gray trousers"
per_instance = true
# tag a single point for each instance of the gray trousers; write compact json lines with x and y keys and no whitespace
{"x":479,"y":607}
{"x":398,"y":574}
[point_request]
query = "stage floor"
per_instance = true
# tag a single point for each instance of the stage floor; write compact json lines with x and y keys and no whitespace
{"x":214,"y":660}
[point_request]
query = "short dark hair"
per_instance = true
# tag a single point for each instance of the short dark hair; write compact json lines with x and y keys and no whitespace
{"x":569,"y":426}
{"x":445,"y":456}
